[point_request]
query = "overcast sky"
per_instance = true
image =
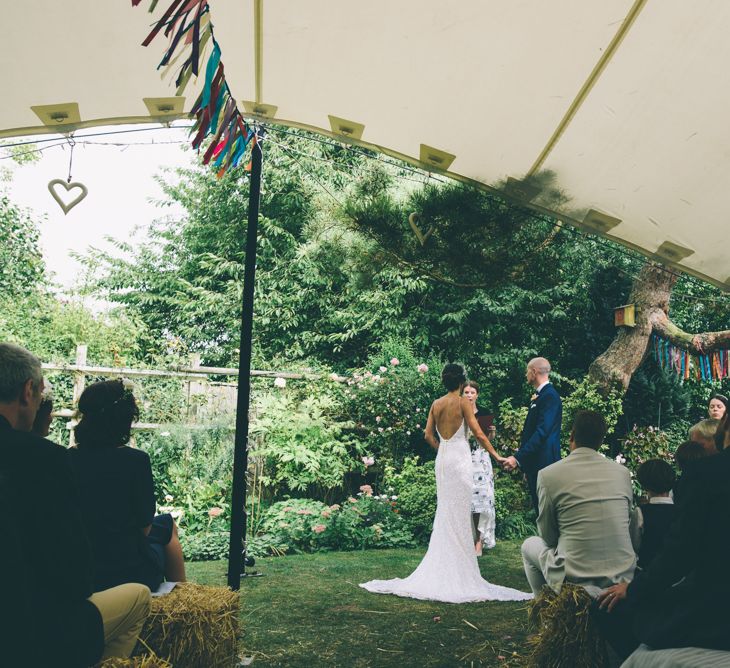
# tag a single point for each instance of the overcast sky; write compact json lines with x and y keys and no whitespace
{"x":121,"y":184}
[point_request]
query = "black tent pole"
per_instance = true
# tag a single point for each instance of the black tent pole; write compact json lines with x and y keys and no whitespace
{"x":237,"y":549}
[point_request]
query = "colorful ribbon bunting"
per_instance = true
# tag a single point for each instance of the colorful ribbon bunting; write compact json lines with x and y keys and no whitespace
{"x":187,"y":25}
{"x":710,"y":366}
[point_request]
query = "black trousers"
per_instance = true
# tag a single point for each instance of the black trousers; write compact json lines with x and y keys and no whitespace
{"x":617,"y":628}
{"x":532,"y":488}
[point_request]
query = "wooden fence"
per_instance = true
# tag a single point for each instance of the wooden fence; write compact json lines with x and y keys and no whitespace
{"x":195,"y":377}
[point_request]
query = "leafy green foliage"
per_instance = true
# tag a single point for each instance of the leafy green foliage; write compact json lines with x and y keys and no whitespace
{"x":515,"y":517}
{"x":21,"y":262}
{"x":642,"y":444}
{"x":584,"y":395}
{"x":304,"y":525}
{"x":205,"y":546}
{"x":192,"y":469}
{"x":301,"y":443}
{"x":415,"y":486}
{"x":389,"y":399}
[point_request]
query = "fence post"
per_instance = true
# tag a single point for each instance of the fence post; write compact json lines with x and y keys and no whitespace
{"x":194,"y":389}
{"x":79,"y":384}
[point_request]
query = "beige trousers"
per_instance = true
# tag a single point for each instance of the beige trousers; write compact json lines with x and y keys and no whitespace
{"x":123,"y":610}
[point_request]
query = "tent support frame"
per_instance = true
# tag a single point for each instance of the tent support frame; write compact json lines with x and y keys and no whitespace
{"x":237,"y":545}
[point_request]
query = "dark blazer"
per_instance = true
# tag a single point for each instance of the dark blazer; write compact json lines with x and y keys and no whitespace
{"x":540,"y":439}
{"x":41,"y":515}
{"x":695,"y":612}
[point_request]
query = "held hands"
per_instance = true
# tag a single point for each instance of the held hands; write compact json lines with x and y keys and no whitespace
{"x":509,"y":464}
{"x":608,"y":598}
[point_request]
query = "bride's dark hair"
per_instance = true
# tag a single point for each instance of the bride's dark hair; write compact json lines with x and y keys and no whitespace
{"x":453,"y":376}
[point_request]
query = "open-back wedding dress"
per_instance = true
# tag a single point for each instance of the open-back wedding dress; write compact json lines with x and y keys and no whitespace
{"x":449,"y":571}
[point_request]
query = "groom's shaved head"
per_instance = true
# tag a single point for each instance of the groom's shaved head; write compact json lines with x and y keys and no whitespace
{"x":540,"y":365}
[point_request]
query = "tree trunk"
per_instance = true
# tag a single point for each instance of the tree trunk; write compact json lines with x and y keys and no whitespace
{"x":652,"y":289}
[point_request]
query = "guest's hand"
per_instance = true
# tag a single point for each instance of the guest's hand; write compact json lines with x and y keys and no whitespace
{"x":500,"y":460}
{"x":510,"y":464}
{"x":608,"y":598}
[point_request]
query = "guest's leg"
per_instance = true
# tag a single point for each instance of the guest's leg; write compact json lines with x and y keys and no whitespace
{"x":174,"y":560}
{"x":123,"y":610}
{"x":532,"y":548}
{"x":532,"y":488}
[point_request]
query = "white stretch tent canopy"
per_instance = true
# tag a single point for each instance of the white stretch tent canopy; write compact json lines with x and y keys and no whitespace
{"x":623,"y":103}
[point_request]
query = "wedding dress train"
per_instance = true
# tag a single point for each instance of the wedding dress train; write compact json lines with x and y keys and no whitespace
{"x":449,"y":571}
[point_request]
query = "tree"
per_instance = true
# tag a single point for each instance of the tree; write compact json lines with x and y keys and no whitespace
{"x":651,"y":293}
{"x":21,"y":261}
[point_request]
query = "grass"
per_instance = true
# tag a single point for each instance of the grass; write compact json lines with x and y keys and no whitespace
{"x":308,"y":611}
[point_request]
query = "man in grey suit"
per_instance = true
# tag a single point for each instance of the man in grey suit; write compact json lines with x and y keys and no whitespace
{"x":585,"y":509}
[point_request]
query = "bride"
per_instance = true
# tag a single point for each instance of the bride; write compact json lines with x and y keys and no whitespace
{"x":449,"y":571}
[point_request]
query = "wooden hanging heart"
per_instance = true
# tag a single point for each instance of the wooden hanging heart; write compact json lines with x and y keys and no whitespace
{"x":68,"y":186}
{"x":417,"y":230}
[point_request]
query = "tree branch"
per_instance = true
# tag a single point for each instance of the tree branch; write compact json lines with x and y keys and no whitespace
{"x":705,"y":342}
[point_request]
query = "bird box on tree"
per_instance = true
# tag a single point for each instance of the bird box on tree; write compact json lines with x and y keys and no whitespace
{"x":624,"y":316}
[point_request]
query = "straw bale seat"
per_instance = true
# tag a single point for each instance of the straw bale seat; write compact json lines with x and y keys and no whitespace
{"x":194,"y":626}
{"x":565,"y":633}
{"x":146,"y":661}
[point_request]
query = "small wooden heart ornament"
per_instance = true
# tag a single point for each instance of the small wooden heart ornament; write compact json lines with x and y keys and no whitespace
{"x":417,"y":230}
{"x":68,"y":186}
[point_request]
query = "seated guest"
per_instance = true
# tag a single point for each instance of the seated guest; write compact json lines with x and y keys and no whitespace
{"x":130,"y":543}
{"x":58,"y":622}
{"x":686,"y":454}
{"x":650,"y":523}
{"x":704,"y":433}
{"x":680,"y":600}
{"x":585,"y":505}
{"x":717,"y":407}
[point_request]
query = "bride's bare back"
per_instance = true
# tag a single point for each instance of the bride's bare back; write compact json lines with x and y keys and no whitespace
{"x":448,"y":415}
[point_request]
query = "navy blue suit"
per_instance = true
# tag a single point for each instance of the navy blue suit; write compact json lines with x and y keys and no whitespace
{"x":540,"y":439}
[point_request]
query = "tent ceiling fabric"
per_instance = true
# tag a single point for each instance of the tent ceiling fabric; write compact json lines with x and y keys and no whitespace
{"x":615,"y":110}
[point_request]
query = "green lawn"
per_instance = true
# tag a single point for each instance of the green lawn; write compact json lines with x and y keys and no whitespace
{"x":309,"y":611}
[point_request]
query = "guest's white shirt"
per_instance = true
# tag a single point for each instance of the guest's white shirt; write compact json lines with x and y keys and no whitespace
{"x":539,"y":387}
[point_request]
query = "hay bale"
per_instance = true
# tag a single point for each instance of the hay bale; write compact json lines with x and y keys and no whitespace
{"x":194,"y":626}
{"x":566,"y":634}
{"x":146,"y":661}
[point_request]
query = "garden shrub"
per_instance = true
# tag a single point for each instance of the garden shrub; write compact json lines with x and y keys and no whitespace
{"x":205,"y":546}
{"x":389,"y":400}
{"x":415,"y":486}
{"x":302,"y":443}
{"x":641,"y":444}
{"x":305,"y":525}
{"x":515,"y":517}
{"x":585,"y":395}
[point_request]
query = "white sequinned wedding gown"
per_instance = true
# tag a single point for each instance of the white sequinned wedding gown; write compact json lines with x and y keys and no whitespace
{"x":449,"y":571}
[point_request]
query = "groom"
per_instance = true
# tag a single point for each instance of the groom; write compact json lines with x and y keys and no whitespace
{"x":540,"y":439}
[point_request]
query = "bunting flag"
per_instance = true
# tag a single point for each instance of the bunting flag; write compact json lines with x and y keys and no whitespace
{"x":709,"y":366}
{"x":188,"y":27}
